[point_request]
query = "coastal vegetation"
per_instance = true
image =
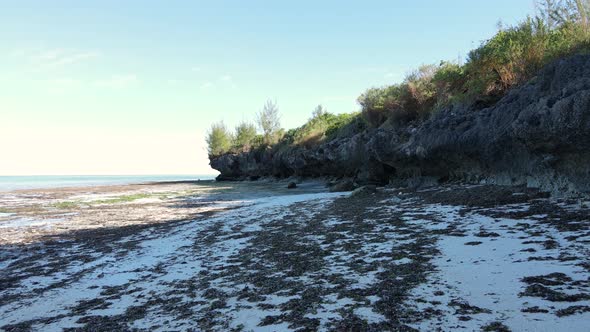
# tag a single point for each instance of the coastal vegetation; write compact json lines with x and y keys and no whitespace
{"x":245,"y":136}
{"x":321,"y":126}
{"x":76,"y":204}
{"x":269,"y":121}
{"x":123,"y":198}
{"x":511,"y":57}
{"x":66,"y":205}
{"x":219,"y":139}
{"x":508,"y":59}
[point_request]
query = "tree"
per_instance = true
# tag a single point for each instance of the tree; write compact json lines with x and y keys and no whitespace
{"x":583,"y":9}
{"x":552,"y":12}
{"x":245,"y":135}
{"x":218,"y":139}
{"x":269,"y":121}
{"x":559,"y":12}
{"x":319,"y":111}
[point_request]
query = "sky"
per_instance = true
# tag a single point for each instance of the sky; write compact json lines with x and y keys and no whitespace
{"x":131,"y":87}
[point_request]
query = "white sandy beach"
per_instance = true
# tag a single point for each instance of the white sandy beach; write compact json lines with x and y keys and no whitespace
{"x":285,"y":260}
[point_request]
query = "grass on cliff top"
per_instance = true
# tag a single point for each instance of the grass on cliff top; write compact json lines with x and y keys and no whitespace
{"x":322,"y":127}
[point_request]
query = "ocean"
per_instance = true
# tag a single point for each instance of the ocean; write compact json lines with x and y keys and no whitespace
{"x":57,"y":181}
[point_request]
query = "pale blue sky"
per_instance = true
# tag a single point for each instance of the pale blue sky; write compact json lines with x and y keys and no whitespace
{"x":128,"y":87}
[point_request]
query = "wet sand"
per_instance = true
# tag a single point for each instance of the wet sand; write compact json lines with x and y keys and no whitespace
{"x":256,"y":256}
{"x":43,"y":214}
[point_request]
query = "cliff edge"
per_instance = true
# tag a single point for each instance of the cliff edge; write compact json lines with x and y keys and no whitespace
{"x":537,"y":135}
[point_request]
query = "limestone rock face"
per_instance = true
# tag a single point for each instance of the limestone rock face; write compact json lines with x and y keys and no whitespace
{"x":538,"y":135}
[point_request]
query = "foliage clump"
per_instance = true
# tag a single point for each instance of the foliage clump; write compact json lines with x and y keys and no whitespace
{"x":412,"y":99}
{"x":245,"y":136}
{"x":321,"y":126}
{"x":511,"y":57}
{"x":219,"y":139}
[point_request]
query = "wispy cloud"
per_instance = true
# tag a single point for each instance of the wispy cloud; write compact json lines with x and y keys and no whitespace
{"x":223,"y":81}
{"x":63,"y":85}
{"x":58,"y":57}
{"x":228,"y":80}
{"x":74,"y":58}
{"x":65,"y":81}
{"x":17,"y":53}
{"x":207,"y":85}
{"x":196,"y":69}
{"x":48,"y":55}
{"x":118,"y":81}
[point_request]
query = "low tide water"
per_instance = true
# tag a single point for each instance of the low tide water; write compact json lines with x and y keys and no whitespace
{"x":8,"y":183}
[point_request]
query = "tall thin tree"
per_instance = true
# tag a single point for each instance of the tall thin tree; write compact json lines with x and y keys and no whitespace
{"x":269,"y":121}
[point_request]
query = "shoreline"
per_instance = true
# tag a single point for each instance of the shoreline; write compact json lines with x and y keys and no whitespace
{"x":40,"y":182}
{"x":29,"y":214}
{"x":38,"y":213}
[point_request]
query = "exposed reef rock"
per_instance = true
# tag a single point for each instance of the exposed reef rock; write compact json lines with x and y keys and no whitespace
{"x":538,"y":135}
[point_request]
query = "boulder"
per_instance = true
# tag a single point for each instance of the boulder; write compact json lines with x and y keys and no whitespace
{"x":364,"y":190}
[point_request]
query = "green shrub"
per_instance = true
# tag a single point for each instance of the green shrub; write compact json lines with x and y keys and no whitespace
{"x":507,"y":59}
{"x":314,"y":130}
{"x":515,"y":55}
{"x":378,"y":103}
{"x":258,"y":141}
{"x":413,"y":99}
{"x":418,"y":93}
{"x":244,"y":136}
{"x":449,"y":81}
{"x":345,"y":125}
{"x":219,"y":139}
{"x":322,"y":126}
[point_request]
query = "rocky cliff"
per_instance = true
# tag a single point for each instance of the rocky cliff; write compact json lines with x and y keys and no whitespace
{"x":538,"y":134}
